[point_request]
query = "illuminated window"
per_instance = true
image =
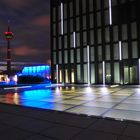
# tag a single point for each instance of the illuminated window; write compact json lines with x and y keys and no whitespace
{"x":98,"y":19}
{"x":78,"y":55}
{"x":72,"y":56}
{"x":98,"y":4}
{"x":99,"y":36}
{"x":92,"y":73}
{"x":116,"y":73}
{"x":134,"y":49}
{"x":91,"y":37}
{"x":90,"y":5}
{"x":77,"y":7}
{"x":116,"y":51}
{"x":71,"y":9}
{"x":107,"y":52}
{"x":134,"y":30}
{"x":85,"y":54}
{"x":99,"y":53}
{"x":92,"y":54}
{"x":85,"y":73}
{"x":107,"y":34}
{"x":124,"y":32}
{"x":91,"y":20}
{"x":83,"y":6}
{"x":65,"y":56}
{"x":125,"y":50}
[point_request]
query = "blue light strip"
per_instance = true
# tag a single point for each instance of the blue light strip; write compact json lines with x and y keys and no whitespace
{"x":36,"y":70}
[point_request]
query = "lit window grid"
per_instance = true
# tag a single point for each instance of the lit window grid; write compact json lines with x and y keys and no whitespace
{"x":120,"y":46}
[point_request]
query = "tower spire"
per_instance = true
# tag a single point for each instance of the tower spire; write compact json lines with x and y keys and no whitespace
{"x":8,"y":36}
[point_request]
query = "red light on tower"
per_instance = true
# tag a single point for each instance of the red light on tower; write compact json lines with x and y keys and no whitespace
{"x":9,"y":35}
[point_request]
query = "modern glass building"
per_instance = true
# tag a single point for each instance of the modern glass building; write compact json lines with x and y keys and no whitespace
{"x":95,"y":41}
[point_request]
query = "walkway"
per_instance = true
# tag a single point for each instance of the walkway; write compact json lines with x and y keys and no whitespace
{"x":26,"y":123}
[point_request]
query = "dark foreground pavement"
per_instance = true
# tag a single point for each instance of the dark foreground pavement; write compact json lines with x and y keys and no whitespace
{"x":25,"y":123}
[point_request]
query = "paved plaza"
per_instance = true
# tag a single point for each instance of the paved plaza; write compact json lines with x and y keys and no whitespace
{"x":119,"y":102}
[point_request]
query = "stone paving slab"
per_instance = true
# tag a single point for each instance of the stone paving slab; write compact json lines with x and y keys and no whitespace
{"x":28,"y":123}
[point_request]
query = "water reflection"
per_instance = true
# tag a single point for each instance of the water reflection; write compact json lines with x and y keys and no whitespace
{"x":16,"y":98}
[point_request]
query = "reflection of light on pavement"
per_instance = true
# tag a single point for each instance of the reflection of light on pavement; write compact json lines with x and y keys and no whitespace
{"x":37,"y":94}
{"x":88,"y":90}
{"x":137,"y":91}
{"x":112,"y":86}
{"x":72,"y":88}
{"x":57,"y":91}
{"x":17,"y":87}
{"x":32,"y":103}
{"x":16,"y":98}
{"x":61,"y":88}
{"x":104,"y":90}
{"x":35,"y":98}
{"x":67,"y":88}
{"x":9,"y":98}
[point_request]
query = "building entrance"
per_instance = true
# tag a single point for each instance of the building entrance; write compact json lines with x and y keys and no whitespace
{"x":130,"y":74}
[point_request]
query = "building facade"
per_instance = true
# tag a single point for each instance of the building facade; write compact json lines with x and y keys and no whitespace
{"x":95,"y":41}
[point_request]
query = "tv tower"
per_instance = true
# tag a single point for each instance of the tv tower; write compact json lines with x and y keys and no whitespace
{"x":9,"y":36}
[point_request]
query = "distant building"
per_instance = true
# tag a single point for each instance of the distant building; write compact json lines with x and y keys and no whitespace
{"x":16,"y":67}
{"x":95,"y":41}
{"x":43,"y":70}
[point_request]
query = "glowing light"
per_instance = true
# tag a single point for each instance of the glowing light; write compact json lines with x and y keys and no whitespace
{"x":57,"y":80}
{"x":15,"y":88}
{"x":110,"y":12}
{"x":139,"y":71}
{"x":7,"y":80}
{"x":15,"y":78}
{"x":74,"y":40}
{"x":72,"y":76}
{"x":66,"y":76}
{"x":88,"y":61}
{"x":112,"y":86}
{"x":137,"y":92}
{"x":103,"y":73}
{"x":62,"y":24}
{"x":60,"y":77}
{"x":8,"y":35}
{"x":120,"y":50}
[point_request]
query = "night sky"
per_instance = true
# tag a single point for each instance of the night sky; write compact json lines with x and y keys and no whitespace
{"x":30,"y":23}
